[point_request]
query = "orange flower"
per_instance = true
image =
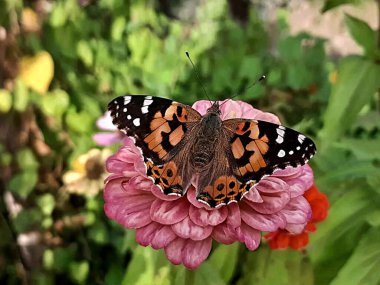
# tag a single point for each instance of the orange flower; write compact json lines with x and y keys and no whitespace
{"x":282,"y":239}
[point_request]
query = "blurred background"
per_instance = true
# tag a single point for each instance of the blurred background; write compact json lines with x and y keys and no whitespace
{"x":62,"y":61}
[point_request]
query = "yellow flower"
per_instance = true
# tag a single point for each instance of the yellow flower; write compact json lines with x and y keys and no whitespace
{"x":37,"y":71}
{"x":88,"y":173}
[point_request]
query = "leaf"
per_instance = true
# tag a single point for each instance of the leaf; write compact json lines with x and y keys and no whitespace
{"x":79,"y":271}
{"x":46,"y":203}
{"x":363,"y":266}
{"x":37,"y":71}
{"x":23,"y":183}
{"x":280,"y":267}
{"x":5,"y":101}
{"x":85,"y":53}
{"x":357,"y":81}
{"x":206,"y":274}
{"x":330,"y":4}
{"x":363,"y":149}
{"x":21,"y":96}
{"x":362,"y":34}
{"x":55,"y":103}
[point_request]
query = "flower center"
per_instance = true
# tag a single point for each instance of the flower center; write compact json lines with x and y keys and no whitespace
{"x":94,"y":169}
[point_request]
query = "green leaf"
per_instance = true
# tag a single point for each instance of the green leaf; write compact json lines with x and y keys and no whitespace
{"x":46,"y":203}
{"x":21,"y":96}
{"x":224,"y":258}
{"x":267,"y":267}
{"x":80,"y":122}
{"x":79,"y":271}
{"x":27,"y":220}
{"x":55,"y":103}
{"x":85,"y":53}
{"x":363,"y":266}
{"x":23,"y":183}
{"x":330,"y":4}
{"x":363,"y":149}
{"x":26,"y":159}
{"x":206,"y":274}
{"x":362,"y":34}
{"x":5,"y":101}
{"x":357,"y":81}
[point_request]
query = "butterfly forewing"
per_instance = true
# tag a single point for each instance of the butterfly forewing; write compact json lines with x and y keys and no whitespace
{"x":258,"y":148}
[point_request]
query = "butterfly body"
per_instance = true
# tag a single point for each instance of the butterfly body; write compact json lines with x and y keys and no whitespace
{"x":227,"y":157}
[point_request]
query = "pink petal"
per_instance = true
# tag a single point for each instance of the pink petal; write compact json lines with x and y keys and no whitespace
{"x":106,"y":139}
{"x":297,"y":211}
{"x":169,"y":212}
{"x":126,"y":161}
{"x":234,"y":217}
{"x":128,"y":207}
{"x":251,"y":237}
{"x":173,"y":250}
{"x":302,"y":182}
{"x":223,"y":233}
{"x":201,"y":106}
{"x":203,"y":217}
{"x":295,"y":228}
{"x":145,"y":234}
{"x":262,"y":222}
{"x":195,"y":252}
{"x":105,"y":122}
{"x":188,"y":230}
{"x":163,"y":237}
{"x":253,"y":195}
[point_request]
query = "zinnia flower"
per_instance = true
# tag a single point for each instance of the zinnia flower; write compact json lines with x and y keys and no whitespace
{"x":283,"y":239}
{"x":112,"y":136}
{"x":184,"y":227}
{"x":88,"y":173}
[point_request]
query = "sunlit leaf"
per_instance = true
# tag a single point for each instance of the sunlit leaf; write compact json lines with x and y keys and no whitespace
{"x":5,"y":101}
{"x":37,"y":71}
{"x":330,"y":4}
{"x":362,"y":33}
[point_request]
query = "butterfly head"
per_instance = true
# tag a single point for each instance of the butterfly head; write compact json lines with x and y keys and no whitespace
{"x":214,"y":109}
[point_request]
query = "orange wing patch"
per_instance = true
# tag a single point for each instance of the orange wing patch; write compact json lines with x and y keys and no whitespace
{"x":224,"y":190}
{"x":166,"y":177}
{"x":258,"y":147}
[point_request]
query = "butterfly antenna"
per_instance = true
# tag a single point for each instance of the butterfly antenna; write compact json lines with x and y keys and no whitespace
{"x":248,"y":87}
{"x":197,"y":75}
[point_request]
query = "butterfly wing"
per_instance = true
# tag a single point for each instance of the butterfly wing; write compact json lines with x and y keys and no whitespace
{"x":258,"y":148}
{"x":247,"y":151}
{"x":161,"y":129}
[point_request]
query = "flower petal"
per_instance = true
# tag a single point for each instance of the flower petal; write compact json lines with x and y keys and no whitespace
{"x":248,"y":235}
{"x":262,"y":222}
{"x":173,"y":250}
{"x":223,"y":233}
{"x":195,"y":252}
{"x":145,"y":234}
{"x":169,"y":212}
{"x":163,"y":237}
{"x":203,"y":217}
{"x":128,"y":207}
{"x":188,"y":230}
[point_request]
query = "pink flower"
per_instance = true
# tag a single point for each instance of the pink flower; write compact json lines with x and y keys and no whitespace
{"x":113,"y":136}
{"x":184,"y":227}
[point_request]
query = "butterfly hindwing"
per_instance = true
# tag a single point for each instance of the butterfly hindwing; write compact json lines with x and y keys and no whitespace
{"x":258,"y":148}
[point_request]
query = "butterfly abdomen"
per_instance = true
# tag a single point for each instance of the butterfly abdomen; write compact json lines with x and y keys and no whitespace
{"x":203,"y":150}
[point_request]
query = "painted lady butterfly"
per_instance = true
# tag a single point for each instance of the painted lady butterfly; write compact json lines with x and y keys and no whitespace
{"x":228,"y":157}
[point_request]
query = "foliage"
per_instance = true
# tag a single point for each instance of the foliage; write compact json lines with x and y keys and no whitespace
{"x":62,"y":61}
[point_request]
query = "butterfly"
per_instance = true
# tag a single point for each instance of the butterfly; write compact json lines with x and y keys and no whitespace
{"x":227,"y":158}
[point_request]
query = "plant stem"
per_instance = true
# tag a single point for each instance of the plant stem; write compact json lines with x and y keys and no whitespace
{"x":189,"y":277}
{"x":378,"y":46}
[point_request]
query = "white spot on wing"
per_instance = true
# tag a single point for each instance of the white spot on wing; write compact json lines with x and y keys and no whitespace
{"x":144,"y":109}
{"x":301,"y":138}
{"x":136,"y":122}
{"x":147,"y":102}
{"x":298,"y":147}
{"x":127,"y":99}
{"x":280,"y":132}
{"x":279,"y":139}
{"x":291,"y":152}
{"x":129,"y":117}
{"x":281,"y":127}
{"x":281,"y":153}
{"x":125,"y":110}
{"x":148,"y":97}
